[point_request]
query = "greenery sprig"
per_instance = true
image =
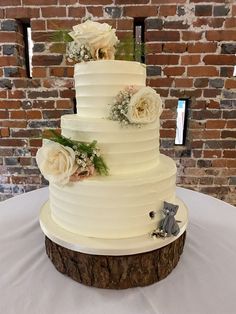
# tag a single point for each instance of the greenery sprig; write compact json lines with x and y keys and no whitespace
{"x":89,"y":150}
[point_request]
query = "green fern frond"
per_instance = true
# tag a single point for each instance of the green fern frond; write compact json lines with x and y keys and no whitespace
{"x":128,"y":49}
{"x":61,"y":36}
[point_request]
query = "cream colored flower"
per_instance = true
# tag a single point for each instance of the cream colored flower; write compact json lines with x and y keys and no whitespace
{"x":96,"y":36}
{"x":56,"y":162}
{"x":145,"y":106}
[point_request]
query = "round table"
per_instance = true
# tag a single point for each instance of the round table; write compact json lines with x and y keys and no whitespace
{"x":204,"y":281}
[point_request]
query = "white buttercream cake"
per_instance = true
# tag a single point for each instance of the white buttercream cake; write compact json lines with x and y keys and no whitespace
{"x":140,"y":178}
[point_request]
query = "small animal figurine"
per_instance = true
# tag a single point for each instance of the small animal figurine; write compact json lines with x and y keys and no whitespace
{"x":169,"y":225}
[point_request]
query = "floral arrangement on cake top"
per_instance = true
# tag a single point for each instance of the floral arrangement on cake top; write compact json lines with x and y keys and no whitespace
{"x":136,"y":106}
{"x":89,"y":41}
{"x":62,"y":160}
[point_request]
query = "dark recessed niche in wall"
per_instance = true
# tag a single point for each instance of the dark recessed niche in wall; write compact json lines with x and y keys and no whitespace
{"x":181,"y":121}
{"x":28,"y":43}
{"x":139,"y":32}
{"x":74,"y":105}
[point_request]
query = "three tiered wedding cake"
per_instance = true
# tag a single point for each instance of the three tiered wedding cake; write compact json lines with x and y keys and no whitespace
{"x":116,"y":189}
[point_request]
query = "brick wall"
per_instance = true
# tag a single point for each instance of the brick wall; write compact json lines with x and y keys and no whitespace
{"x":191,"y":54}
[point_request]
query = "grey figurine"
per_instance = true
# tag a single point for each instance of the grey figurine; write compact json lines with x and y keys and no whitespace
{"x":168,"y":225}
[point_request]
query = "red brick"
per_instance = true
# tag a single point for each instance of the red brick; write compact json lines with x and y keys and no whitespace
{"x":20,"y":12}
{"x":167,"y":10}
{"x":10,"y":104}
{"x":162,"y":36}
{"x":212,"y":153}
{"x":61,"y":23}
{"x":153,"y":47}
{"x":59,"y":71}
{"x":76,"y":11}
{"x":167,"y":1}
{"x":168,"y":114}
{"x":8,"y":61}
{"x":183,"y":82}
{"x":46,"y":60}
{"x":167,"y":133}
{"x":16,"y":94}
{"x":212,"y":104}
{"x":230,"y":83}
{"x":176,"y":25}
{"x":174,"y":47}
{"x":203,"y":10}
{"x":64,"y":104}
{"x":38,"y":24}
{"x":211,"y":22}
{"x":11,"y":37}
{"x":35,"y":142}
{"x":140,"y":11}
{"x":4,"y":132}
{"x":53,"y":11}
{"x":221,"y":35}
{"x":220,"y":59}
{"x":198,"y":104}
{"x":125,"y":24}
{"x":4,"y":3}
{"x":205,"y":134}
{"x":228,"y":134}
{"x":233,"y":10}
{"x":231,"y":163}
{"x":190,"y":59}
{"x":202,"y":71}
{"x":4,"y":114}
{"x":202,"y":47}
{"x":214,"y":1}
{"x":68,"y":2}
{"x":101,"y":2}
{"x":95,"y":11}
{"x":67,"y":93}
{"x":39,"y":2}
{"x":18,"y":114}
{"x":42,"y":36}
{"x":14,"y":123}
{"x":163,"y":59}
{"x":230,"y":23}
{"x":12,"y":142}
{"x":161,"y":82}
{"x":231,"y":124}
{"x":190,"y":35}
{"x":33,"y":114}
{"x":211,"y":93}
{"x":3,"y":93}
{"x":44,"y":104}
{"x":39,"y":72}
{"x":229,"y":154}
{"x":215,"y":124}
{"x":174,"y":71}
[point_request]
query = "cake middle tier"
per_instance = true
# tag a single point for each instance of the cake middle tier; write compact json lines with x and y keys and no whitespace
{"x":125,"y":149}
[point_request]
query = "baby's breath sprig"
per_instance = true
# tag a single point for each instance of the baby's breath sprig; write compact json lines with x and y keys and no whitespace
{"x":120,"y":106}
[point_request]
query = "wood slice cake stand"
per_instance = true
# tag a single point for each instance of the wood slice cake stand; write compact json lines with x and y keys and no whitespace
{"x":111,"y":263}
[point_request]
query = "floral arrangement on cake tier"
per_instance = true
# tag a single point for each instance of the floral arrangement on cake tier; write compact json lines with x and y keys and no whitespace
{"x":136,"y":106}
{"x":62,"y":160}
{"x":91,"y":41}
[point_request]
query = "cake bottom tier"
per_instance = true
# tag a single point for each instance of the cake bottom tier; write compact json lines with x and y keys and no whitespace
{"x":114,"y":207}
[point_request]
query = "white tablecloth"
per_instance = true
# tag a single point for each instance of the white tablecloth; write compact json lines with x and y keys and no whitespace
{"x":204,"y":281}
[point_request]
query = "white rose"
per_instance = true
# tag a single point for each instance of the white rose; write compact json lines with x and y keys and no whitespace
{"x":96,"y":36}
{"x":145,"y":106}
{"x":56,"y":162}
